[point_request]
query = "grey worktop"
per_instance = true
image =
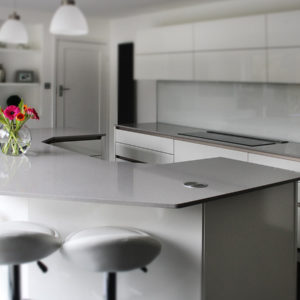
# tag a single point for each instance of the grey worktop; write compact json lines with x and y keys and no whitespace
{"x":289,"y":150}
{"x":54,"y":173}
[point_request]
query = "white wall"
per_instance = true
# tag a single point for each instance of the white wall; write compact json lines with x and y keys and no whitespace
{"x":124,"y":30}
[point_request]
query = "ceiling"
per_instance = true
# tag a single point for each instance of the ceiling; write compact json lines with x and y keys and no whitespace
{"x":105,"y":8}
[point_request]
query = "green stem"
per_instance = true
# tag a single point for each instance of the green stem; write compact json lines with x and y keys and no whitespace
{"x":12,"y":141}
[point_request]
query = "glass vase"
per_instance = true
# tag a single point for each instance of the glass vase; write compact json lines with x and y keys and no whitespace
{"x":14,"y":142}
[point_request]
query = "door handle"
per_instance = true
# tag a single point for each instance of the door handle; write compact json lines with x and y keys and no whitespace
{"x":61,"y":90}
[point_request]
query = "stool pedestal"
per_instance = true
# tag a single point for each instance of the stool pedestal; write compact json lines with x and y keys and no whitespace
{"x":110,"y":286}
{"x":14,"y":277}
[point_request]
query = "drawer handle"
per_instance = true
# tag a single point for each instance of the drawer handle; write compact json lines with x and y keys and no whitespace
{"x":130,"y":159}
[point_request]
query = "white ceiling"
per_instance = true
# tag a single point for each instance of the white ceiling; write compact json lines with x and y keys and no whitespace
{"x":105,"y":8}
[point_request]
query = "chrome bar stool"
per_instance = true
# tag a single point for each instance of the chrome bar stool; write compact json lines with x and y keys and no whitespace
{"x":111,"y":250}
{"x":24,"y":242}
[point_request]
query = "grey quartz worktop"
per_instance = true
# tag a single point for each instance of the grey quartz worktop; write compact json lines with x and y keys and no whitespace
{"x":288,"y":150}
{"x":54,"y":173}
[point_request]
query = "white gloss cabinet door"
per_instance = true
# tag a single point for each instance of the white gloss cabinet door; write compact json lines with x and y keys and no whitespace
{"x":145,"y":141}
{"x":175,"y":66}
{"x":177,"y":38}
{"x":284,"y":65}
{"x":185,"y":151}
{"x":240,"y":66}
{"x":283,"y":29}
{"x":142,"y":155}
{"x":274,"y":162}
{"x":236,"y":33}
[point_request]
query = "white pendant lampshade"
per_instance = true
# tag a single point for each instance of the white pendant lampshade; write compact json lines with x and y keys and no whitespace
{"x":69,"y":20}
{"x":13,"y":31}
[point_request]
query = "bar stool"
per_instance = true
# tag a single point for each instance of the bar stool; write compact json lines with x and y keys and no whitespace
{"x":110,"y":250}
{"x":23,"y":242}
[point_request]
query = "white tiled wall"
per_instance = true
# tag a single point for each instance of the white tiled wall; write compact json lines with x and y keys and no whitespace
{"x":271,"y":110}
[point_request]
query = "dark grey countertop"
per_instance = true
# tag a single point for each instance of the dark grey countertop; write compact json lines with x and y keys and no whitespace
{"x":290,"y":150}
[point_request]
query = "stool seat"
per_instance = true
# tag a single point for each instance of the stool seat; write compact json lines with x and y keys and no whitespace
{"x":23,"y":242}
{"x":110,"y":249}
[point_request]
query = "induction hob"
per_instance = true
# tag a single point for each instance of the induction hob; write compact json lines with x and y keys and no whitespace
{"x":226,"y":137}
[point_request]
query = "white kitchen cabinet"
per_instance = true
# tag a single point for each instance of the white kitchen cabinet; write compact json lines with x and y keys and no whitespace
{"x":172,"y":66}
{"x":142,"y":154}
{"x":185,"y":151}
{"x":284,"y":65}
{"x":274,"y":162}
{"x":168,"y":39}
{"x":239,"y":66}
{"x":146,"y":141}
{"x":283,"y":29}
{"x":236,"y":33}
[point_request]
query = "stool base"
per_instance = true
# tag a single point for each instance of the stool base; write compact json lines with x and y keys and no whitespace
{"x":110,"y":285}
{"x":14,"y":282}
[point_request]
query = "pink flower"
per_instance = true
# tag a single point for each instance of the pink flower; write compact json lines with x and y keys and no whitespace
{"x":33,"y":114}
{"x":11,"y":111}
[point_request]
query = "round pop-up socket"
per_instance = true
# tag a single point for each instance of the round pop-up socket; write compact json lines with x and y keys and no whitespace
{"x":195,"y":185}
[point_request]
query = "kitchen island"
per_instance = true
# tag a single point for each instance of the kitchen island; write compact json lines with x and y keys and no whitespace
{"x":231,"y":237}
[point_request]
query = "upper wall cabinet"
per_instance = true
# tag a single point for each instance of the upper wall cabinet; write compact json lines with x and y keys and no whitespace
{"x":262,"y":48}
{"x":283,"y":29}
{"x":236,"y":66}
{"x":165,"y":39}
{"x":284,"y":65}
{"x":165,"y":53}
{"x":235,"y":33}
{"x":168,"y":66}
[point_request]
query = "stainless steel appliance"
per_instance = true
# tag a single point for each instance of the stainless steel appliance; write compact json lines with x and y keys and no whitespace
{"x":232,"y":138}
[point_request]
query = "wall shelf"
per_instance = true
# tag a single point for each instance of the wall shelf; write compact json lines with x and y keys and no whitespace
{"x":29,"y":84}
{"x":16,"y":50}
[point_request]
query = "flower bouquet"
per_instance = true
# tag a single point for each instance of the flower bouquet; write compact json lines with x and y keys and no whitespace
{"x":15,"y":138}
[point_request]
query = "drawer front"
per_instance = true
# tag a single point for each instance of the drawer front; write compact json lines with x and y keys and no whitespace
{"x":145,"y":141}
{"x":142,"y":155}
{"x":185,"y":151}
{"x":274,"y":162}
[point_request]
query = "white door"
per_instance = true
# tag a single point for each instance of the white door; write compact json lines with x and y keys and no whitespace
{"x":78,"y":99}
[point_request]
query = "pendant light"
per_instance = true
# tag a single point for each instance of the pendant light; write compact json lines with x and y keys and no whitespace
{"x":13,"y":30}
{"x":69,"y":20}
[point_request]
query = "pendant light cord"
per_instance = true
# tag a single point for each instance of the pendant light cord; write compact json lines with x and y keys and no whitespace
{"x":14,"y":5}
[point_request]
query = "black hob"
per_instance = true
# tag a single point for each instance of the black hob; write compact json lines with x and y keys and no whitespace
{"x":226,"y":137}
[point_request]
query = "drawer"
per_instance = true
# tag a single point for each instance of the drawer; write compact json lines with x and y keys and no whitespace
{"x":274,"y":162}
{"x":185,"y":151}
{"x":151,"y":142}
{"x":142,"y":154}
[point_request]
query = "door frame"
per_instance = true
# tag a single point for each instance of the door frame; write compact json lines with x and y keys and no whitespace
{"x":101,"y":48}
